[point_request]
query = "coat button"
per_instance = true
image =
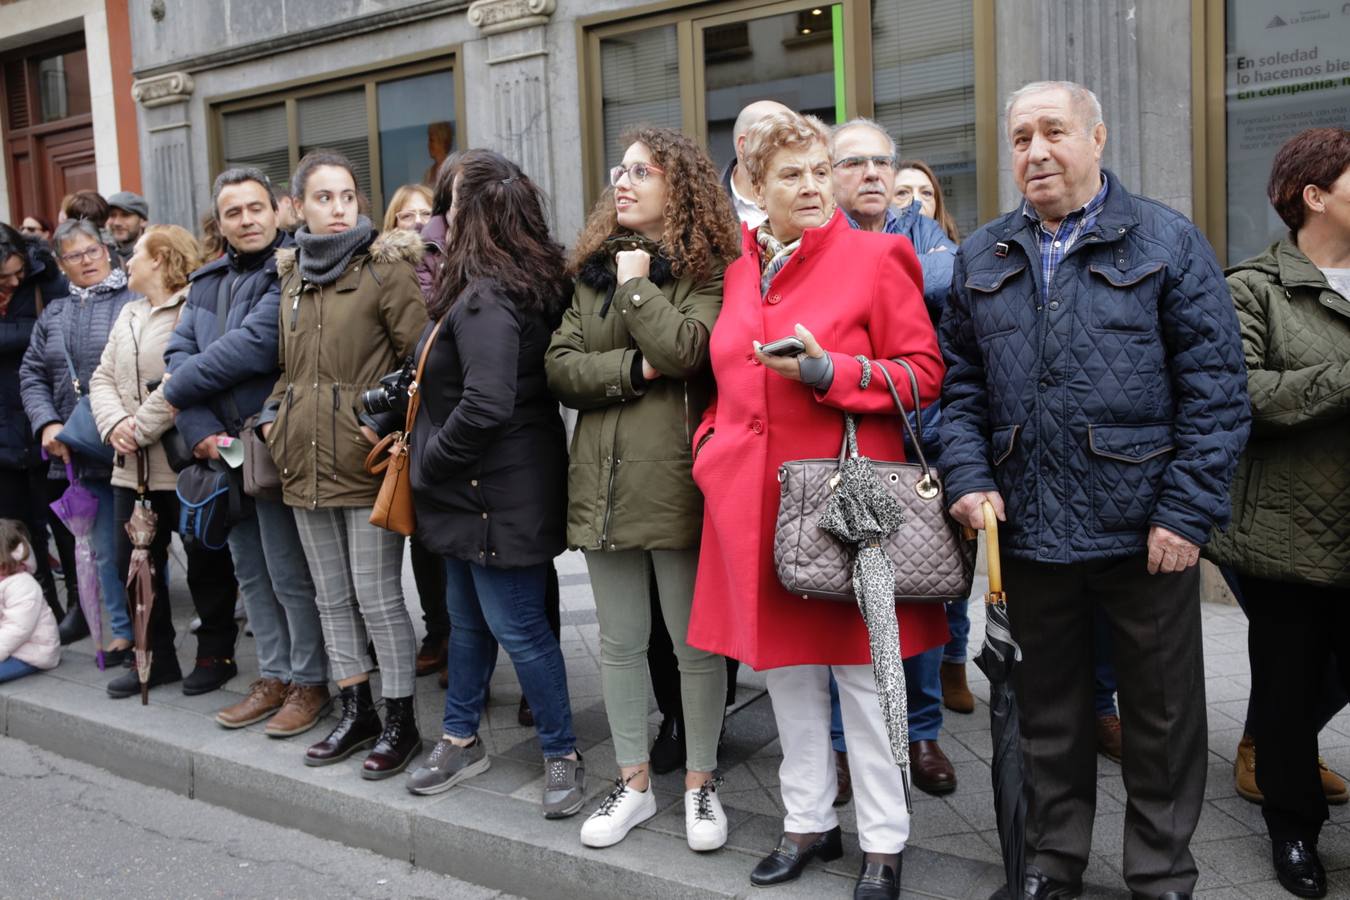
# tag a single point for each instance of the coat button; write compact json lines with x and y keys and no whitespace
{"x":1045,"y":386}
{"x":1054,"y":304}
{"x":485,"y":515}
{"x":775,"y":298}
{"x":756,"y":426}
{"x":473,"y":482}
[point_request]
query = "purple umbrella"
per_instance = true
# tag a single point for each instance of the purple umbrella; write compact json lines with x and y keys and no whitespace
{"x":77,"y":508}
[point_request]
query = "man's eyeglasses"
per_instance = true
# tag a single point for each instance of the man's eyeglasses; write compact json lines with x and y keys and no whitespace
{"x":408,"y":216}
{"x":89,"y":254}
{"x":637,"y":173}
{"x":858,"y":163}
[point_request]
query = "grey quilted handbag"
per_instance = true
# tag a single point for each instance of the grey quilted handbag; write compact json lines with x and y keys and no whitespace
{"x":934,"y":557}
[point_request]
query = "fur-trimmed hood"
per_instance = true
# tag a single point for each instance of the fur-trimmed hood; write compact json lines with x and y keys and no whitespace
{"x":598,"y":269}
{"x":388,"y":247}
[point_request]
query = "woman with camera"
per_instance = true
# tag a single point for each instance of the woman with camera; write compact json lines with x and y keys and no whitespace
{"x":351,"y":312}
{"x":489,"y":466}
{"x":632,"y":356}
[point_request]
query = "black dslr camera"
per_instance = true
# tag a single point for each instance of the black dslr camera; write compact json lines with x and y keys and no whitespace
{"x":385,"y":408}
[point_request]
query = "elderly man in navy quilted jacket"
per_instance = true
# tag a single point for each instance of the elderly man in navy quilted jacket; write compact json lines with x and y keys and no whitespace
{"x":1096,"y":397}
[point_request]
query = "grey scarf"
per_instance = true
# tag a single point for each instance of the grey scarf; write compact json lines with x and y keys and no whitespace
{"x":324,"y":257}
{"x":116,"y":280}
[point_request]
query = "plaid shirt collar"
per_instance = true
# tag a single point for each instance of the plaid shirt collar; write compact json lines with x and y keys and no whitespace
{"x":1054,"y":245}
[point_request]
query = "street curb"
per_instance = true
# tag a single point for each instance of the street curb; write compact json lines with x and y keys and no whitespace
{"x":508,"y":846}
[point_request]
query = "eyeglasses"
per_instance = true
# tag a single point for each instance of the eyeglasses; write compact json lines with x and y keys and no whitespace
{"x":89,"y":254}
{"x":856,"y":163}
{"x":413,"y":215}
{"x":637,"y":173}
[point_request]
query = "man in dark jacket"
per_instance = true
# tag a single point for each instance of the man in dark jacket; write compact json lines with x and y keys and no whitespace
{"x":222,"y":364}
{"x":1095,"y":381}
{"x":29,"y":279}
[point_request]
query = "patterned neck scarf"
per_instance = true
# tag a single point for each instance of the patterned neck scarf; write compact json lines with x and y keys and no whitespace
{"x":116,"y":280}
{"x":774,"y":254}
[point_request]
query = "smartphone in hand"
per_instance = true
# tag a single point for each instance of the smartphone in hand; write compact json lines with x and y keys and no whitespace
{"x":788,"y":346}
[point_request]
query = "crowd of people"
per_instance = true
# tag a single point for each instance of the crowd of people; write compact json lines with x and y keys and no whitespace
{"x":1080,"y":365}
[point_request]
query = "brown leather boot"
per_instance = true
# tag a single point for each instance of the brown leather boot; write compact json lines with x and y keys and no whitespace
{"x":265,"y":696}
{"x":1108,"y":737}
{"x":357,"y":729}
{"x":431,"y":658}
{"x":956,"y":694}
{"x":1244,"y":771}
{"x":305,"y":705}
{"x":844,"y":778}
{"x":398,"y":744}
{"x":930,"y":769}
{"x":1332,"y":785}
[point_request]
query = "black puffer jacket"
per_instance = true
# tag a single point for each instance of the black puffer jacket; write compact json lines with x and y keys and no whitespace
{"x":489,"y":454}
{"x":42,"y":283}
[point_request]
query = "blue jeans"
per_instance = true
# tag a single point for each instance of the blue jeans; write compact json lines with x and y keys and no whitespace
{"x":278,"y":593}
{"x":1104,"y":666}
{"x":488,"y":606}
{"x":103,"y":540}
{"x":923,"y":688}
{"x":958,"y":623}
{"x":14,"y":667}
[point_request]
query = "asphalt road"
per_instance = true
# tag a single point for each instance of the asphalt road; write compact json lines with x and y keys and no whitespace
{"x":70,"y":830}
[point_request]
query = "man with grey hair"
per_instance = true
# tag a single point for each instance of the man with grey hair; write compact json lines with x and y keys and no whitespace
{"x":222,"y":365}
{"x":1096,"y":398}
{"x":735,"y":178}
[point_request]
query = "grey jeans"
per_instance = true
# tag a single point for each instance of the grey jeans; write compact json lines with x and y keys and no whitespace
{"x":620,"y":580}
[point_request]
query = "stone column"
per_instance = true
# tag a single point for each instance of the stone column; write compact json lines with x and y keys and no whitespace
{"x":167,"y":160}
{"x":514,"y":117}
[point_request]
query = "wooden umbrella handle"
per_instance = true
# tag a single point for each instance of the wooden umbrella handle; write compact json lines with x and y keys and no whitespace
{"x":995,"y":563}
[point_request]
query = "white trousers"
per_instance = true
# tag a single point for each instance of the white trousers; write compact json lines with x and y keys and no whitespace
{"x":801,"y":707}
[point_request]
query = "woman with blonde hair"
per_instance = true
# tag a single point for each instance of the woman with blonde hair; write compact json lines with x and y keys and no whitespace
{"x":409,"y":208}
{"x":132,"y":415}
{"x":632,"y":356}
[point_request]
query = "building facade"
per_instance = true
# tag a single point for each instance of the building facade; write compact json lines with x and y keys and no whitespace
{"x":1197,"y":95}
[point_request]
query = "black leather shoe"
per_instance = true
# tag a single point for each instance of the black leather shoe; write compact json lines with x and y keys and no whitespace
{"x":1299,"y":869}
{"x":125,"y":656}
{"x":209,"y":674}
{"x":668,"y":749}
{"x":398,"y":743}
{"x":786,"y":862}
{"x":1039,"y":886}
{"x":73,"y":627}
{"x":878,"y":881}
{"x":128,"y":684}
{"x":1173,"y":895}
{"x":357,"y":728}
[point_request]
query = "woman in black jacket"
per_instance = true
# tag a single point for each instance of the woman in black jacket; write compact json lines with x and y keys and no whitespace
{"x":489,"y":466}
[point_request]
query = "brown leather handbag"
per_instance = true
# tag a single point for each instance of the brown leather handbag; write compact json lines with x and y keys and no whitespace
{"x":934,"y":557}
{"x":394,"y":506}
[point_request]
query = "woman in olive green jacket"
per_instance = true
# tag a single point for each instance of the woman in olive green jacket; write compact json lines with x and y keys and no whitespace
{"x":632,"y":356}
{"x":351,"y":311}
{"x":1289,"y":541}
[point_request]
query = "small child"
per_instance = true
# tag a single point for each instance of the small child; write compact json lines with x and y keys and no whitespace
{"x":29,"y":641}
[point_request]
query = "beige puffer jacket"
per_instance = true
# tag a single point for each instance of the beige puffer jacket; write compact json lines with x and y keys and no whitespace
{"x":132,"y":359}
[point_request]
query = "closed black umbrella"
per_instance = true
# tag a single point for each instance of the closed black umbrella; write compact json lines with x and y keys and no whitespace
{"x":997,"y":658}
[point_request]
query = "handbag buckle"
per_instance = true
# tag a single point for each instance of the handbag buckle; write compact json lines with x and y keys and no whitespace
{"x":927,"y":488}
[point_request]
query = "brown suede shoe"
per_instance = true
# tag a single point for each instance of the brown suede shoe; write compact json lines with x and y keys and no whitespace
{"x":930,"y":768}
{"x":1108,"y":737}
{"x":1332,"y":785}
{"x":1244,"y":776}
{"x":305,"y":705}
{"x":956,"y":694}
{"x":265,"y":697}
{"x":431,"y":658}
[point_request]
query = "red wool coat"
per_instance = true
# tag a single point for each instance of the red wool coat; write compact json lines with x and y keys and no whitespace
{"x":858,"y":293}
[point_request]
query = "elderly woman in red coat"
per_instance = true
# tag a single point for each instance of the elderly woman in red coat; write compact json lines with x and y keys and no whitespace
{"x":843,"y":293}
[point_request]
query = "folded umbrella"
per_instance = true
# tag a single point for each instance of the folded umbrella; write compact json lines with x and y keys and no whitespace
{"x":861,"y":513}
{"x":141,"y":529}
{"x":997,"y":659}
{"x":77,"y":508}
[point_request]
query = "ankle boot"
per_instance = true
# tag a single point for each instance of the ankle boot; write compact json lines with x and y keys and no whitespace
{"x":398,"y":744}
{"x":73,"y":627}
{"x":357,"y":728}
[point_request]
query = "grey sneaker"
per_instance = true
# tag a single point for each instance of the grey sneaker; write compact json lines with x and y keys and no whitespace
{"x":447,"y":766}
{"x":565,"y":786}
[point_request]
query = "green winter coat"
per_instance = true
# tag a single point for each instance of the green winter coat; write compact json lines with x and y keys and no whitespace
{"x":629,"y":485}
{"x":1291,"y":497}
{"x":335,"y":343}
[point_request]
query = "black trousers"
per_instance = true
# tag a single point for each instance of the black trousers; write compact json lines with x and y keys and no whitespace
{"x":429,"y":574}
{"x":24,"y":497}
{"x":1158,"y":648}
{"x":210,"y":577}
{"x":1298,"y":633}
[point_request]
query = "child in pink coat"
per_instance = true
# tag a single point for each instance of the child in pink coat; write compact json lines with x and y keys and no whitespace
{"x":28,"y":637}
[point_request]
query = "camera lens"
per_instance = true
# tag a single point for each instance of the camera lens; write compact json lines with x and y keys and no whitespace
{"x":377,"y":401}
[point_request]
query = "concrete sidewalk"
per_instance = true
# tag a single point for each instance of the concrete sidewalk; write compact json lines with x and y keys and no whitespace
{"x":489,"y":830}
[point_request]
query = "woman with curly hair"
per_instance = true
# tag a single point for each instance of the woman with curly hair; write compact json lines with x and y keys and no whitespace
{"x":632,"y":356}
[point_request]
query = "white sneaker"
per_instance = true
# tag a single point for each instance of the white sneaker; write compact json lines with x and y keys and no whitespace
{"x":705,"y":824}
{"x":624,"y":808}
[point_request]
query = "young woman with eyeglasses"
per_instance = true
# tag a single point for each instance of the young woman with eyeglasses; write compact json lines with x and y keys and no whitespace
{"x":632,"y":356}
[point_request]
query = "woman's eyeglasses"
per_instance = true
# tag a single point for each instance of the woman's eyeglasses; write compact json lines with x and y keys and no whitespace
{"x":409,"y":216}
{"x":89,"y":254}
{"x":637,"y":173}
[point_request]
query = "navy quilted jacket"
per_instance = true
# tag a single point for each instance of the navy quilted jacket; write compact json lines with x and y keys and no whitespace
{"x":18,"y":448}
{"x":1119,"y":403}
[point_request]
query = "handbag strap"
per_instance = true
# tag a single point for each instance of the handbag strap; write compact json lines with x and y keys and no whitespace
{"x":904,"y":419}
{"x":65,"y":348}
{"x":414,"y":389}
